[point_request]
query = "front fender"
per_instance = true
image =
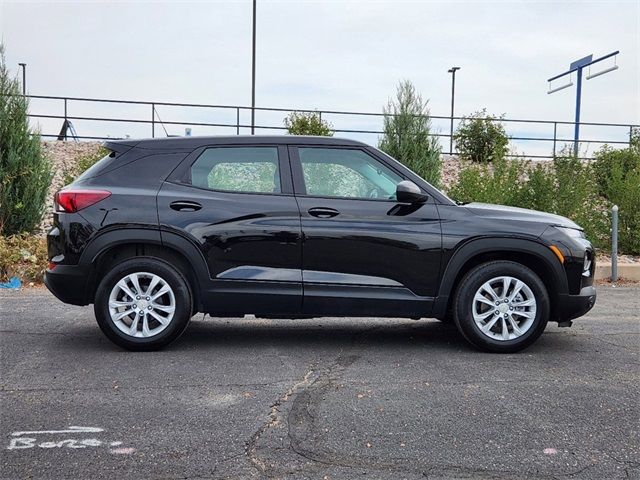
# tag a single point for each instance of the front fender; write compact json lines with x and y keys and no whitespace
{"x":497,"y":245}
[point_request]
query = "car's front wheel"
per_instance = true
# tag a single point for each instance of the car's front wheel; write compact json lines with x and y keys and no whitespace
{"x":501,"y":306}
{"x":143,"y":304}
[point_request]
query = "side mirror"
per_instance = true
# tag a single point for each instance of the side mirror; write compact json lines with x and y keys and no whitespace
{"x":409,"y":192}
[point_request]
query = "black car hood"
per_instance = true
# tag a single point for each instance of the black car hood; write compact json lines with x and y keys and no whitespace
{"x":519,"y":214}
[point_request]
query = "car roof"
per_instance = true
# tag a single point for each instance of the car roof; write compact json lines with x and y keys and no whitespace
{"x":179,"y":143}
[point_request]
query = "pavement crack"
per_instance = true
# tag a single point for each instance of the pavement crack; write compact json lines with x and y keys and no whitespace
{"x":624,"y":347}
{"x":274,"y":420}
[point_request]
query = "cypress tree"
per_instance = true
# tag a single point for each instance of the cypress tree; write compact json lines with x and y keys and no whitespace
{"x":25,"y":172}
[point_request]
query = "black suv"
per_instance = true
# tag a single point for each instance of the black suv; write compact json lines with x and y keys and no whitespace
{"x":299,"y":227}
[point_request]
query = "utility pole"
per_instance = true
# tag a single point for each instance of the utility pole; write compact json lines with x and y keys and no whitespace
{"x":24,"y":77}
{"x":578,"y":66}
{"x":253,"y":74}
{"x":452,"y":71}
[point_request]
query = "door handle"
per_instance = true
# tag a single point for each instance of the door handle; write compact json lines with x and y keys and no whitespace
{"x":185,"y":206}
{"x":323,"y":212}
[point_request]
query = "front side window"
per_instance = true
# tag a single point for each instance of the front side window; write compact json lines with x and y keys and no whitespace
{"x":347,"y":173}
{"x":238,"y":169}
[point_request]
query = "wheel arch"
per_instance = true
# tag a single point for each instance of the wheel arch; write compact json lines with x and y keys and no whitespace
{"x":530,"y":253}
{"x":118,"y":245}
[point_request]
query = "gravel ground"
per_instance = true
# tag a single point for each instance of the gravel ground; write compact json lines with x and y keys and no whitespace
{"x":329,"y":398}
{"x":63,"y":156}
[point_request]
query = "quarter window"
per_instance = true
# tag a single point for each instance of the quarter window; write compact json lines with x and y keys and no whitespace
{"x":238,"y":169}
{"x":347,"y":173}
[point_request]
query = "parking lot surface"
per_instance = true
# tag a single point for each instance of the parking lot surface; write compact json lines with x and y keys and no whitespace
{"x":323,"y":398}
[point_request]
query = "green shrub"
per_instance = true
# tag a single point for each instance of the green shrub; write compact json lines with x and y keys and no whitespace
{"x":539,"y":191}
{"x":25,"y":172}
{"x":407,"y":133}
{"x":481,"y":138}
{"x":81,"y":164}
{"x":565,"y":187}
{"x":308,"y":123}
{"x":499,"y":183}
{"x":23,"y":256}
{"x":624,"y":191}
{"x":607,"y":159}
{"x":576,"y":197}
{"x":618,"y":177}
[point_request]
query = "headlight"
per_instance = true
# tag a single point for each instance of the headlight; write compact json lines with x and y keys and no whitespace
{"x":572,"y":232}
{"x":586,"y":269}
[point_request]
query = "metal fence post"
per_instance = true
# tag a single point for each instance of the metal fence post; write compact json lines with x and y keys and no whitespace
{"x":630,"y":134}
{"x":237,"y":120}
{"x":153,"y":120}
{"x":66,"y":120}
{"x":555,"y":137}
{"x":614,"y":243}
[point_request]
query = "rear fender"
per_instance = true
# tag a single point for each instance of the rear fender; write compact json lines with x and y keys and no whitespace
{"x":145,"y":236}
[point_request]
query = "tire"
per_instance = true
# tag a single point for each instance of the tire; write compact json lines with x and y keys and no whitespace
{"x":519,"y":320}
{"x":166,"y":305}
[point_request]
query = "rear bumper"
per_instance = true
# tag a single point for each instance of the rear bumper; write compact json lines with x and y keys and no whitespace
{"x":574,"y":306}
{"x":68,"y":283}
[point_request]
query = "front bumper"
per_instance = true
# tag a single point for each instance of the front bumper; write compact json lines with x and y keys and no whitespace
{"x":574,"y":306}
{"x":68,"y":283}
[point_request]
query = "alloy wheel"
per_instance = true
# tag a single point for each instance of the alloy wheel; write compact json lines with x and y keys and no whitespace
{"x":504,"y":308}
{"x":142,"y":304}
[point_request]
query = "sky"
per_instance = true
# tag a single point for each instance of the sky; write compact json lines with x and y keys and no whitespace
{"x":326,"y":55}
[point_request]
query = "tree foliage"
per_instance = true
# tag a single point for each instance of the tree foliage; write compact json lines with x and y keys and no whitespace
{"x":308,"y":123}
{"x":25,"y":173}
{"x":481,"y":138}
{"x":617,"y":173}
{"x":408,"y":133}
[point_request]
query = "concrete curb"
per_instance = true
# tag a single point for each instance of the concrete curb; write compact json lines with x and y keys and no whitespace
{"x":628,"y":271}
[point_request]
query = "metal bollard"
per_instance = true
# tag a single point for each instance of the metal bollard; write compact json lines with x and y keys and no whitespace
{"x":614,"y":243}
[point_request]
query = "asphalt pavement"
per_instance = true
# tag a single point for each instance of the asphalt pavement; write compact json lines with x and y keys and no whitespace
{"x":330,"y":398}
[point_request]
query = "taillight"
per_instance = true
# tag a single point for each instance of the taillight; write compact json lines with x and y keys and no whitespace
{"x":73,"y":200}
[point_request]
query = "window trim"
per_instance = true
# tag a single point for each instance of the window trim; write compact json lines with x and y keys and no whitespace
{"x":182,"y":173}
{"x":300,"y":187}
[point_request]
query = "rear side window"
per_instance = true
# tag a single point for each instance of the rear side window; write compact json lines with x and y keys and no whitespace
{"x":98,"y":167}
{"x":238,"y":169}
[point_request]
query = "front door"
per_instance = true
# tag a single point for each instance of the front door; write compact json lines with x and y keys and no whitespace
{"x":236,"y":203}
{"x":363,"y":252}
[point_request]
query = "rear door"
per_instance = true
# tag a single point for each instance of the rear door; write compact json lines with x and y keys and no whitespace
{"x":236,"y":204}
{"x":363,"y":252}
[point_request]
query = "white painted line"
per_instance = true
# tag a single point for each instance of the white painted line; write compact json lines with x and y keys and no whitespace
{"x":123,"y":451}
{"x":71,"y":429}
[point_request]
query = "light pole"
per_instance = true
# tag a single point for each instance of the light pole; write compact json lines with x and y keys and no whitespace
{"x":253,"y":74}
{"x":577,"y":68}
{"x":452,"y":71}
{"x":24,"y":77}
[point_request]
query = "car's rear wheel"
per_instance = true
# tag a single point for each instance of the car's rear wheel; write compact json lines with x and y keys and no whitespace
{"x":501,"y":306}
{"x":143,"y":303}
